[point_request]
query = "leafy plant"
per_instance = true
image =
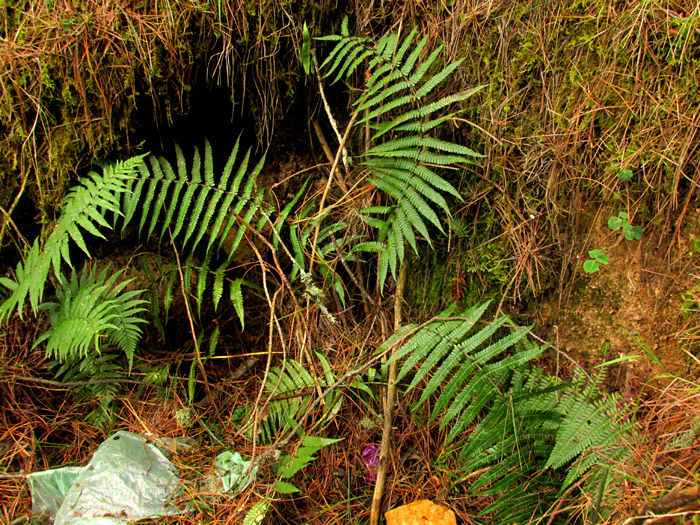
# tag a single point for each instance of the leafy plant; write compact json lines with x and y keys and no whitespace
{"x":290,"y":464}
{"x":625,"y":175}
{"x":93,"y":310}
{"x":632,"y":233}
{"x":257,"y":512}
{"x":597,"y":258}
{"x":208,"y":207}
{"x":291,"y":388}
{"x":84,"y":209}
{"x":403,"y":158}
{"x":535,"y":436}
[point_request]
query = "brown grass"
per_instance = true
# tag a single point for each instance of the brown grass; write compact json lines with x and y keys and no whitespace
{"x":575,"y":93}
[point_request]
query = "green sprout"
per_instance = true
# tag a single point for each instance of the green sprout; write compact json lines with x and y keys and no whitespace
{"x":632,"y":233}
{"x":597,"y":258}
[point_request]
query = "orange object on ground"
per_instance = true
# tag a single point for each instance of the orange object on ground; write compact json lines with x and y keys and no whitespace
{"x":422,"y":512}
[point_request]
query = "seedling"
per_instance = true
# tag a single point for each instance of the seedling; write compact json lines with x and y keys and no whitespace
{"x":597,"y":258}
{"x":625,"y":175}
{"x":632,"y":233}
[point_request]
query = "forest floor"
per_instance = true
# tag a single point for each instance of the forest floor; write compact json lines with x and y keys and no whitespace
{"x":640,"y":311}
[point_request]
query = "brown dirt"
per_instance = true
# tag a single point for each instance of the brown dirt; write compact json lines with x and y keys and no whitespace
{"x":637,"y":299}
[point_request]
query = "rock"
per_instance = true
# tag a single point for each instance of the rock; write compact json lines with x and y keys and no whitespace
{"x":422,"y":512}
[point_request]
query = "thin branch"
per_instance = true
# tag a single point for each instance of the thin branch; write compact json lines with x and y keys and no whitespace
{"x":388,"y":406}
{"x":334,"y":124}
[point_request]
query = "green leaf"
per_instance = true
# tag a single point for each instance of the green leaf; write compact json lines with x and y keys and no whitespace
{"x":625,"y":175}
{"x":256,"y":514}
{"x":632,"y":233}
{"x":615,"y":222}
{"x":306,"y":49}
{"x":590,"y":266}
{"x":284,"y":487}
{"x":236,"y":296}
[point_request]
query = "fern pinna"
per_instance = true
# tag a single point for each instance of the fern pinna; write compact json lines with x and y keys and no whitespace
{"x":404,"y":160}
{"x":523,"y":436}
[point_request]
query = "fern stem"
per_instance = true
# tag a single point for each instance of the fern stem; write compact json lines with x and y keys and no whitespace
{"x":388,"y":406}
{"x":198,"y":354}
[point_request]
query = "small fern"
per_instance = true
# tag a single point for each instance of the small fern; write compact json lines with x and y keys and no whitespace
{"x":396,"y":101}
{"x":84,"y":209}
{"x":99,"y":377}
{"x":333,"y":241}
{"x":257,"y":512}
{"x":292,"y":388}
{"x":290,"y":464}
{"x":93,"y":310}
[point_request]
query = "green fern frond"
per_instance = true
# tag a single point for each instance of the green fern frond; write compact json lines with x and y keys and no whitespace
{"x":290,"y":464}
{"x":257,"y":512}
{"x":396,"y":96}
{"x":425,"y":340}
{"x":292,"y":388}
{"x":84,"y":209}
{"x":92,"y":310}
{"x":204,"y":209}
{"x":535,"y":436}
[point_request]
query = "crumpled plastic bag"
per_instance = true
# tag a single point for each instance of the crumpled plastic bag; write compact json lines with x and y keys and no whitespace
{"x":231,"y":474}
{"x":127,"y":479}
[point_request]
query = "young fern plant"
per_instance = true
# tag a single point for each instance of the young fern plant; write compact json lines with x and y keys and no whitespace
{"x":405,"y":159}
{"x":292,"y":389}
{"x":523,"y":436}
{"x":93,"y":310}
{"x":84,"y":210}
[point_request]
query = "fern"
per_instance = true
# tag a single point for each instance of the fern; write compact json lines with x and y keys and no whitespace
{"x":396,"y":98}
{"x":189,"y":207}
{"x":535,"y":436}
{"x":84,"y":209}
{"x":290,"y":464}
{"x":93,"y":310}
{"x":196,"y":207}
{"x":333,"y":241}
{"x":292,"y":388}
{"x":470,"y":376}
{"x":99,"y":377}
{"x":257,"y":512}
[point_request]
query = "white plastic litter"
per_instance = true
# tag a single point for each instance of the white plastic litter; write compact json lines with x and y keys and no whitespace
{"x":127,"y":479}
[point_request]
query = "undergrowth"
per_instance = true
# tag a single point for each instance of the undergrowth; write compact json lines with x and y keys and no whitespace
{"x":317,"y":264}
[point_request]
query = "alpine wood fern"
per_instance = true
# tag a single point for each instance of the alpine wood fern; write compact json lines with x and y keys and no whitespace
{"x":84,"y":210}
{"x":189,"y":207}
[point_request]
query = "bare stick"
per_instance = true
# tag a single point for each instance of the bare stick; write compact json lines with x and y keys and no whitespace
{"x":388,"y":407}
{"x":327,"y":189}
{"x":334,"y":124}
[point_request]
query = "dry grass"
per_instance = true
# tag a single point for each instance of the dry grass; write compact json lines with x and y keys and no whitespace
{"x":575,"y":93}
